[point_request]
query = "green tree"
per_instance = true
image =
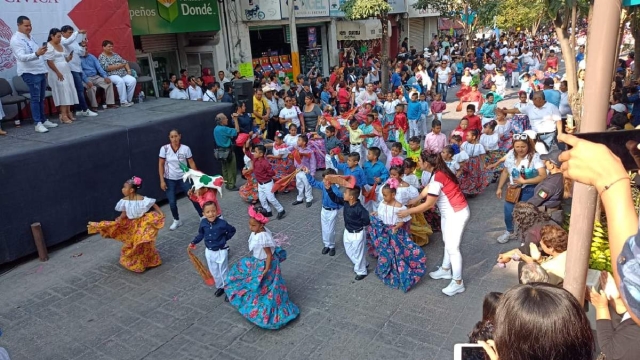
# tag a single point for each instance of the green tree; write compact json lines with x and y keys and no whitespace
{"x":379,"y":9}
{"x":525,"y":15}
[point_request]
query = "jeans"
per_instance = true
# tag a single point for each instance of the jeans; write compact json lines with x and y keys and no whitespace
{"x":526,"y":194}
{"x":77,"y":81}
{"x":442,"y":90}
{"x":37,"y":86}
{"x":174,"y":187}
{"x":549,"y":139}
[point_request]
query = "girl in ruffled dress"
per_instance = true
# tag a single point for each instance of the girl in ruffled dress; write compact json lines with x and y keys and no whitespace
{"x":401,"y":263}
{"x":405,"y":192}
{"x":474,"y":176}
{"x":249,"y":191}
{"x":255,"y":285}
{"x":408,"y":167}
{"x":282,"y":161}
{"x":136,"y":228}
{"x":448,"y":156}
{"x":489,"y":140}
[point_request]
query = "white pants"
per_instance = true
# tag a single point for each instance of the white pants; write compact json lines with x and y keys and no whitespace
{"x":360,"y":150}
{"x":439,"y":116}
{"x":453,"y":224}
{"x":500,"y":89}
{"x":414,"y":128}
{"x":329,"y":163}
{"x":304,"y":188}
{"x":328,"y":221}
{"x":125,"y":85}
{"x":217,"y":261}
{"x":354,"y":247}
{"x":266,"y":196}
{"x":515,"y":78}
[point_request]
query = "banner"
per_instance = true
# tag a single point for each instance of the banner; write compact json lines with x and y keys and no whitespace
{"x":103,"y":19}
{"x":256,"y":10}
{"x":173,"y":16}
{"x":306,"y":8}
{"x":334,"y":8}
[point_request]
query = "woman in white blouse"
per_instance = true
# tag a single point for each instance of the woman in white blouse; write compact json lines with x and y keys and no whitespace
{"x":60,"y":77}
{"x":289,"y":115}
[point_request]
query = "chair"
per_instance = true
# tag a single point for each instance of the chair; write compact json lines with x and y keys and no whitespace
{"x":22,"y":89}
{"x":7,"y":97}
{"x":143,"y":78}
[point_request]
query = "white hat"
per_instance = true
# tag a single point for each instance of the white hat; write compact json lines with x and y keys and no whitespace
{"x":531,"y":134}
{"x":266,"y":88}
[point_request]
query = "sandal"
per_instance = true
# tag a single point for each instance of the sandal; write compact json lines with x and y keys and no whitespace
{"x":65,"y":120}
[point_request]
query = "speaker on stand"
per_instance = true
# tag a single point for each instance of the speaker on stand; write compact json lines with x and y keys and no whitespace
{"x":243,"y":91}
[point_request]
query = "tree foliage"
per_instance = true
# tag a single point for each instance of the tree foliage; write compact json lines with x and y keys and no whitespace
{"x":364,"y":9}
{"x":525,"y":15}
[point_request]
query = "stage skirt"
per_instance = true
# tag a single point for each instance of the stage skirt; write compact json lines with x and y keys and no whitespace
{"x":282,"y":168}
{"x":474,"y":178}
{"x":401,"y":262}
{"x":138,"y":237}
{"x":263,"y":300}
{"x":249,"y":191}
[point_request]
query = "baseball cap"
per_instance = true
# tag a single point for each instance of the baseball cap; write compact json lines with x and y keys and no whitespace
{"x":553,"y":157}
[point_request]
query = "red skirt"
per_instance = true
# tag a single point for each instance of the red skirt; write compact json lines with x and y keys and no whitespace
{"x":474,"y":178}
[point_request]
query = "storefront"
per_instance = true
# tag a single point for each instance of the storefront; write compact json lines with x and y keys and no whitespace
{"x":422,"y":25}
{"x":362,"y":36}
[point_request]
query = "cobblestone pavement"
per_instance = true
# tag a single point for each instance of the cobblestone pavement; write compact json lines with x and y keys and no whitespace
{"x":89,"y":307}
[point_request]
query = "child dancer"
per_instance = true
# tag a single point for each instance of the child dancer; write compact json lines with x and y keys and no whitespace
{"x":282,"y":161}
{"x":413,"y":151}
{"x":488,"y":110}
{"x":435,"y":141}
{"x":474,"y":120}
{"x":489,"y":140}
{"x":401,"y":263}
{"x":474,"y":177}
{"x":376,"y":173}
{"x":356,"y":139}
{"x":474,"y":97}
{"x":255,"y":285}
{"x":308,"y":161}
{"x":328,"y":213}
{"x":356,"y":218}
{"x":447,"y":155}
{"x":462,"y":130}
{"x":500,"y":81}
{"x":136,"y":228}
{"x":419,"y":229}
{"x":249,"y":191}
{"x":389,"y":107}
{"x":460,"y":155}
{"x":393,"y":154}
{"x":424,"y":113}
{"x":516,"y":68}
{"x":408,"y":173}
{"x":438,"y":106}
{"x":264,"y":176}
{"x":351,"y":168}
{"x":413,"y":113}
{"x":331,"y":144}
{"x":291,"y":139}
{"x":216,"y":232}
{"x":400,"y":122}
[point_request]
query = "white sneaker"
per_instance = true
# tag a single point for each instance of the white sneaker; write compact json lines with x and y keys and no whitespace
{"x":441,"y":274}
{"x":49,"y":124}
{"x":176,"y":224}
{"x":86,"y":113}
{"x":41,"y":129}
{"x":504,"y":238}
{"x":126,"y":104}
{"x":454,"y":288}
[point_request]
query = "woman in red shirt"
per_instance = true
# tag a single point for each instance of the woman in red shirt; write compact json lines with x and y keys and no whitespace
{"x":344,"y":97}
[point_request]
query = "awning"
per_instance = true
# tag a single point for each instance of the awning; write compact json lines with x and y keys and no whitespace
{"x":446,"y":24}
{"x":359,"y":30}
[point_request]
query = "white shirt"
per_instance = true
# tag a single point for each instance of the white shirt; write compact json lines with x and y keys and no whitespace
{"x":443,"y":74}
{"x":290,"y":115}
{"x":543,"y":120}
{"x":490,"y":142}
{"x":365,"y":97}
{"x":178,"y":94}
{"x":24,"y":49}
{"x":291,"y":140}
{"x":472,"y":149}
{"x":195,"y":93}
{"x":222,"y":82}
{"x":371,"y":78}
{"x":389,"y":214}
{"x":70,"y":44}
{"x":273,"y":106}
{"x":259,"y":241}
{"x":453,"y":166}
{"x":173,"y":159}
{"x":510,"y":163}
{"x":508,"y":58}
{"x":490,"y":67}
{"x":425,"y":80}
{"x":135,"y":208}
{"x":390,"y":107}
{"x":210,"y":96}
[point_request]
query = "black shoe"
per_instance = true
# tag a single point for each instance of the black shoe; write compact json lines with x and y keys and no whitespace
{"x":269,"y":214}
{"x":297,"y":202}
{"x":219,"y":292}
{"x":332,"y":252}
{"x":281,"y":214}
{"x":325,"y":250}
{"x":309,"y":204}
{"x":360,"y":277}
{"x":226,"y":299}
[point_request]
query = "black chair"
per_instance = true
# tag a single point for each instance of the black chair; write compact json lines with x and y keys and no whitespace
{"x":23,"y":90}
{"x":7,"y":97}
{"x":142,"y":79}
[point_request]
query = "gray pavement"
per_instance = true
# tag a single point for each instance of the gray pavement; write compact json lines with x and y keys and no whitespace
{"x":82,"y":304}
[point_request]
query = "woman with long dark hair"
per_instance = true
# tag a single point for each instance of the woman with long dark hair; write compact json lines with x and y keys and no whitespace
{"x":444,"y":190}
{"x":60,"y":77}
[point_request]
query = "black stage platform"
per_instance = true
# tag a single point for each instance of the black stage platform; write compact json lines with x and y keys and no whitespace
{"x":74,"y":173}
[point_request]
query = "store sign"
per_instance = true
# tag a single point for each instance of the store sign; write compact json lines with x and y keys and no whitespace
{"x":173,"y":16}
{"x":257,"y":10}
{"x":398,"y":6}
{"x":414,"y":13}
{"x":305,"y":8}
{"x":334,"y":8}
{"x":359,"y":30}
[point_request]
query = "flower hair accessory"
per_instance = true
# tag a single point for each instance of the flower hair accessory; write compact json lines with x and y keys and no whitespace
{"x":257,"y":216}
{"x":393,"y":183}
{"x":455,"y":148}
{"x":396,"y":161}
{"x":135,"y":181}
{"x":279,"y":133}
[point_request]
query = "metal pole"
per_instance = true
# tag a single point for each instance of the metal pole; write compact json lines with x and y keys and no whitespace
{"x":602,"y":37}
{"x":295,"y":55}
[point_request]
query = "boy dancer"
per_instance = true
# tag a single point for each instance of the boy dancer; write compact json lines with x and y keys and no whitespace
{"x":351,"y":168}
{"x":306,"y":161}
{"x":264,"y":174}
{"x":376,"y":173}
{"x":355,"y":138}
{"x":329,"y":211}
{"x":330,"y":142}
{"x":356,"y":218}
{"x":216,"y":232}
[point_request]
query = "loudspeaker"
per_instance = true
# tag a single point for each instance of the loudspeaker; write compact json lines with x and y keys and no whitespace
{"x":243,"y":91}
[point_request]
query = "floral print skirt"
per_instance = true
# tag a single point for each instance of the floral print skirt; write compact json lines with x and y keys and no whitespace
{"x":401,"y":262}
{"x":474,"y":178}
{"x":249,"y":191}
{"x":263,"y":300}
{"x":282,"y":168}
{"x":138,"y":237}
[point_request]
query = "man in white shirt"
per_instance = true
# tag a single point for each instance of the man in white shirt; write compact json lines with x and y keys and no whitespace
{"x":444,"y":77}
{"x":179,"y":93}
{"x":212,"y":92}
{"x":33,"y":70}
{"x":369,"y":96}
{"x":70,"y":43}
{"x":544,"y":117}
{"x":194,"y":91}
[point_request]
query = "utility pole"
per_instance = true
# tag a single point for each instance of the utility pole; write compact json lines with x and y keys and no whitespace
{"x":293,"y":31}
{"x":598,"y":76}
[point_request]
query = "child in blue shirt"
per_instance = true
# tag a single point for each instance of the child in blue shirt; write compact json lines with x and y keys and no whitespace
{"x":414,"y":111}
{"x":351,"y":168}
{"x":329,"y":211}
{"x":215,"y":232}
{"x":376,"y":173}
{"x":424,"y":111}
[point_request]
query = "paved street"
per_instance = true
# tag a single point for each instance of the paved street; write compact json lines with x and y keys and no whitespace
{"x":82,"y":304}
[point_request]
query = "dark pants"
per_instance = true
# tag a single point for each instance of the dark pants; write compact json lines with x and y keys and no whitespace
{"x":229,"y":170}
{"x":77,"y":81}
{"x":175,"y":187}
{"x":37,"y":84}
